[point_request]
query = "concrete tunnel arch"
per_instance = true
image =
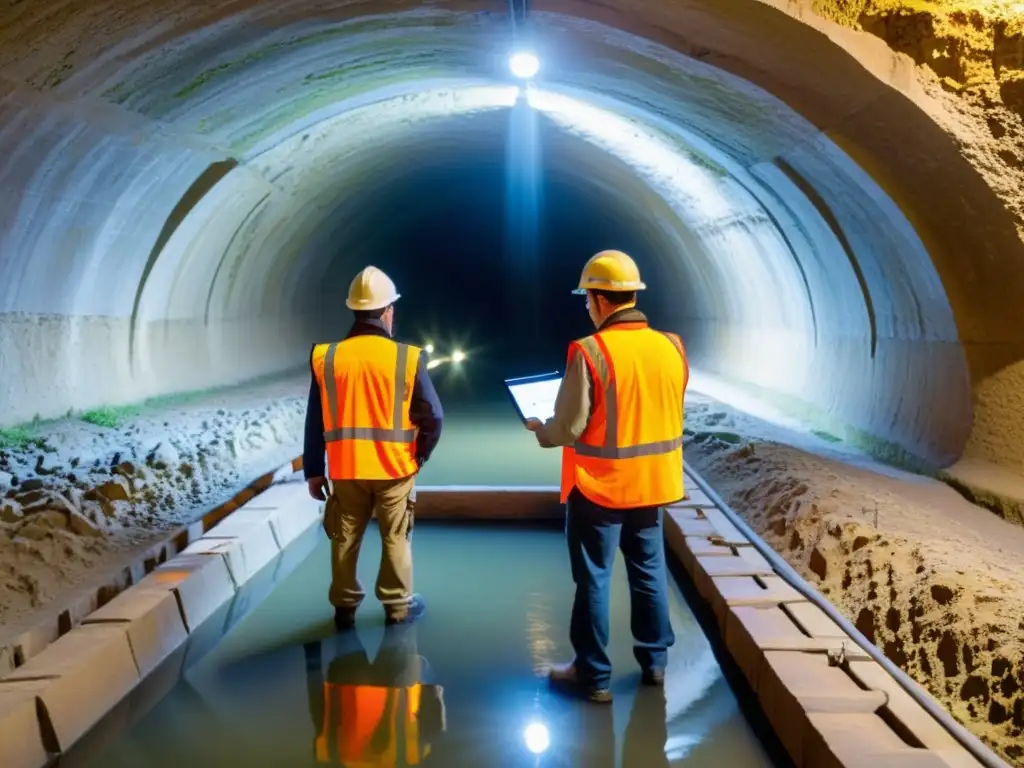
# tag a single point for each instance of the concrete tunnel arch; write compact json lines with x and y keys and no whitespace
{"x":875,"y":314}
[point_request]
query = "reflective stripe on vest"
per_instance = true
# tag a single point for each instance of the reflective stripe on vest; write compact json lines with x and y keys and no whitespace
{"x":611,"y":448}
{"x":630,"y":459}
{"x":394,"y":435}
{"x":366,"y":386}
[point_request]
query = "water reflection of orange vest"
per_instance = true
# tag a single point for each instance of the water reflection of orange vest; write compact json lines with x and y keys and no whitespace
{"x":370,"y":726}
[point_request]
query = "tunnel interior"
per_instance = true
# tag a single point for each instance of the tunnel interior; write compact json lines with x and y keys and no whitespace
{"x":188,"y":211}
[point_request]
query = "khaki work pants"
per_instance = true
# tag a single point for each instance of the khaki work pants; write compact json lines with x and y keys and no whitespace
{"x":347,"y":513}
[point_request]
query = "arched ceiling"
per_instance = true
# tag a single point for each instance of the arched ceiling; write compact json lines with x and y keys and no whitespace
{"x":176,"y":179}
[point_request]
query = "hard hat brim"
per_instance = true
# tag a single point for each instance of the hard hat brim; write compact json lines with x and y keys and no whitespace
{"x":370,"y":306}
{"x":608,"y":287}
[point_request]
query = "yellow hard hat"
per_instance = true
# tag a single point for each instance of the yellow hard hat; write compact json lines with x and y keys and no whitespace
{"x":610,"y":271}
{"x":371,"y":289}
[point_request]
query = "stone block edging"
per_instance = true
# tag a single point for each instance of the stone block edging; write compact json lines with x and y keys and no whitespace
{"x":828,"y":701}
{"x":65,"y":685}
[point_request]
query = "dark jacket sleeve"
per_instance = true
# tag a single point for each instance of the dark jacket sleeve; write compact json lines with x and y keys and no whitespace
{"x":314,"y":448}
{"x":425,"y":412}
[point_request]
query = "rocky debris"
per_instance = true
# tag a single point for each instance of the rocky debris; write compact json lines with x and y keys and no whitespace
{"x":65,"y":511}
{"x":10,"y":511}
{"x":83,"y":526}
{"x":116,"y":489}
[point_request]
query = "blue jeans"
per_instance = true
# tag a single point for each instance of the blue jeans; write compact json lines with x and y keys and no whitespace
{"x":594,"y":532}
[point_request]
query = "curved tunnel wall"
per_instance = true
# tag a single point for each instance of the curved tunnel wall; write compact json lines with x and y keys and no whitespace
{"x":796,"y":272}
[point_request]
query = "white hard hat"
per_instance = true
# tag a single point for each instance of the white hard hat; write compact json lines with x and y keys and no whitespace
{"x":371,"y":289}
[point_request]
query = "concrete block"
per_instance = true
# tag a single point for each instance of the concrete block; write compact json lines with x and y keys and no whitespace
{"x":83,"y":675}
{"x":698,"y":545}
{"x":675,"y":544}
{"x":911,"y":715}
{"x":240,"y":523}
{"x":724,"y":528}
{"x":699,"y":527}
{"x":684,"y":513}
{"x":21,"y":735}
{"x":762,"y":591}
{"x":231,"y":551}
{"x":751,"y":632}
{"x":154,"y":624}
{"x":7,"y":654}
{"x":280,"y":496}
{"x":754,"y":557}
{"x":860,"y":740}
{"x":706,"y":568}
{"x":202,"y":584}
{"x":734,"y":566}
{"x":295,"y":519}
{"x":791,"y":684}
{"x":695,"y":497}
{"x":297,"y":552}
{"x":246,"y":554}
{"x":815,"y":621}
{"x":32,"y":642}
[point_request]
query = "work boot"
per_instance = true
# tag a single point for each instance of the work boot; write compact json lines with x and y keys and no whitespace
{"x":344,"y":618}
{"x":567,"y":678}
{"x":409,"y":612}
{"x":653,"y":676}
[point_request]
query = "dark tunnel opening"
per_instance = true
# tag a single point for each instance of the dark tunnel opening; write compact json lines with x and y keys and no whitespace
{"x":486,"y":252}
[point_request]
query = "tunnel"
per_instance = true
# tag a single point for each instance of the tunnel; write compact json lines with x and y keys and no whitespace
{"x":184,"y":206}
{"x":188,"y":189}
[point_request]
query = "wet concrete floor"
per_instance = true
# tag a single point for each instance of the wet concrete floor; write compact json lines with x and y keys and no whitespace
{"x":279,"y":689}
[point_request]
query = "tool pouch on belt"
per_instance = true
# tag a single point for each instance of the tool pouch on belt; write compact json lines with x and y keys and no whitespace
{"x":410,"y":514}
{"x":332,"y":518}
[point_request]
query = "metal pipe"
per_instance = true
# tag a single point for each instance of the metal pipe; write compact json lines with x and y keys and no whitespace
{"x":967,"y":740}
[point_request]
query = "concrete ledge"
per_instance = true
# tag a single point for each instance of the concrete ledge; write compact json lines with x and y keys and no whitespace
{"x":500,"y":503}
{"x":245,"y":554}
{"x":831,"y":705}
{"x":22,"y":643}
{"x":203,"y":584}
{"x":20,"y":734}
{"x":80,"y":678}
{"x":71,"y":683}
{"x":292,"y":511}
{"x":153,"y":621}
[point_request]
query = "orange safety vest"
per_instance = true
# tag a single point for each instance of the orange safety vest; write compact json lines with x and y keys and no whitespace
{"x":361,"y":726}
{"x":366,"y":385}
{"x":631,"y":453}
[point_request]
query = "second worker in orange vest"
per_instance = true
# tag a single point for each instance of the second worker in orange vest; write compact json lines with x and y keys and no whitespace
{"x":619,"y":417}
{"x":374,"y":412}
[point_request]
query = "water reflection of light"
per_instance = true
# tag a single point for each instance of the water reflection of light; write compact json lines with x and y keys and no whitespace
{"x":537,"y":737}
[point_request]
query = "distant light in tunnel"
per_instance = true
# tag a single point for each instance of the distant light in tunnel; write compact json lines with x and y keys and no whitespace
{"x":537,"y":737}
{"x":458,"y":356}
{"x":429,"y":349}
{"x":524,"y":65}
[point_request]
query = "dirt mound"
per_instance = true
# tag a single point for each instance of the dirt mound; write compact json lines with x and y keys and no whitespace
{"x":75,"y":495}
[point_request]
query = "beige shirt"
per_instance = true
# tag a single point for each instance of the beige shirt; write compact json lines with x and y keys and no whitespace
{"x":572,"y":406}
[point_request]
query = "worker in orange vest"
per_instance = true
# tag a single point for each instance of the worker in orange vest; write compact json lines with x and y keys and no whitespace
{"x":373,"y":715}
{"x":619,"y":417}
{"x":375,"y":413}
